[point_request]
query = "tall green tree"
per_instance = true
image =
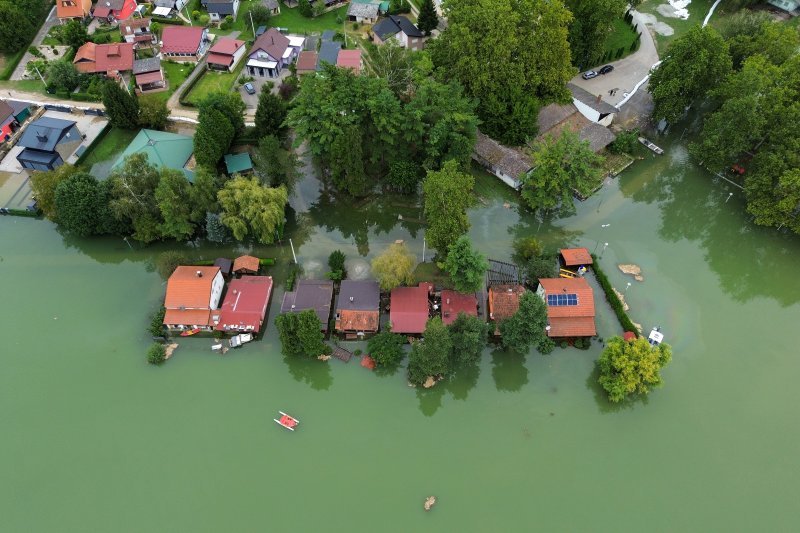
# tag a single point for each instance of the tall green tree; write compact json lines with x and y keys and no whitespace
{"x":431,"y":355}
{"x":229,"y":104}
{"x":386,"y":348}
{"x":511,"y":54}
{"x":695,"y":62}
{"x":260,"y":14}
{"x":394,"y":63}
{"x":270,"y":113}
{"x":466,"y":265}
{"x":216,"y":231}
{"x":526,"y":327}
{"x":133,"y":198}
{"x":275,"y":164}
{"x":73,"y":33}
{"x":16,"y":27}
{"x":250,"y":209}
{"x":43,"y":185}
{"x":468,"y":335}
{"x":754,"y":32}
{"x":173,"y":197}
{"x":629,"y":368}
{"x":427,"y":19}
{"x":62,"y":74}
{"x":592,"y":23}
{"x":79,"y":205}
{"x":153,"y":113}
{"x":562,"y":165}
{"x":301,"y":334}
{"x":213,"y":137}
{"x":347,"y":162}
{"x":122,"y":109}
{"x":394,"y":267}
{"x":448,"y":193}
{"x":203,"y":195}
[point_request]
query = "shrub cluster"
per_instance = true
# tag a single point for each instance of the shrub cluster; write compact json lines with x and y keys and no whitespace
{"x":613,"y":300}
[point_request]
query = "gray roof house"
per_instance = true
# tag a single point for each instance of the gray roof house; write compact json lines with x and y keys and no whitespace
{"x":506,"y":163}
{"x":394,"y":24}
{"x":219,"y":9}
{"x":329,"y":53}
{"x":592,"y":106}
{"x":310,"y":294}
{"x":363,"y":12}
{"x":47,"y":142}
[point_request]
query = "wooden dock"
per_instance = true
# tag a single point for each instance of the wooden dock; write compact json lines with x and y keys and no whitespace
{"x":342,"y":354}
{"x":651,"y":146}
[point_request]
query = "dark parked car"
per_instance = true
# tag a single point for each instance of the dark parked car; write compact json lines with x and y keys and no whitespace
{"x":589,"y":74}
{"x":249,"y":88}
{"x":606,"y":69}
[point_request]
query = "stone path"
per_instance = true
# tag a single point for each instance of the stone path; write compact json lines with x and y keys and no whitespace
{"x":51,"y":21}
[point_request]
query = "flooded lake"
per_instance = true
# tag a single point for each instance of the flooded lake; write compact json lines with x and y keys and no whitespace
{"x":94,"y":439}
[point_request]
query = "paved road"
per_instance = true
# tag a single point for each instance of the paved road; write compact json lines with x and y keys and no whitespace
{"x":51,"y":21}
{"x":628,"y":71}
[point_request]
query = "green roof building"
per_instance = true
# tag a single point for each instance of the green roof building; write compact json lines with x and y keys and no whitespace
{"x":163,"y":149}
{"x":238,"y":163}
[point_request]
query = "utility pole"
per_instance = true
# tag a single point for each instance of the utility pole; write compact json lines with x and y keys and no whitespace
{"x":293,"y":255}
{"x":40,"y":75}
{"x":423,"y":249}
{"x":186,"y":10}
{"x":251,"y":23}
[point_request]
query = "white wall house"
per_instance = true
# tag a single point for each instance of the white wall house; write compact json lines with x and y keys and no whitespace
{"x":591,"y":106}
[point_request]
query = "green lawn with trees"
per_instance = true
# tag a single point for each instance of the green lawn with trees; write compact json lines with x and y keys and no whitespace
{"x":213,"y":82}
{"x":111,"y":145}
{"x":176,"y":74}
{"x":297,"y":23}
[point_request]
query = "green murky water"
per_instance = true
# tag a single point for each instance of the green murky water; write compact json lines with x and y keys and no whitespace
{"x":93,"y":439}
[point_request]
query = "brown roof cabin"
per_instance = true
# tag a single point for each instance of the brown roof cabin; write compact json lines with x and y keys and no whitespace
{"x":503,"y":303}
{"x":358,"y":308}
{"x":246,"y":264}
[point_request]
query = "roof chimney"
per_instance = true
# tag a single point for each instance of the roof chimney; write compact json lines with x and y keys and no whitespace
{"x":351,"y":298}
{"x":292,"y":306}
{"x":199,"y":274}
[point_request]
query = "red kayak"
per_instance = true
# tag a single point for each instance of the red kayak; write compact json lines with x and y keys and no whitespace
{"x":190,"y":332}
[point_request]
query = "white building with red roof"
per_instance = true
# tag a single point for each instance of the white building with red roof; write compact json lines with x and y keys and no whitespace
{"x":225,"y":54}
{"x":192,"y":293}
{"x":570,"y":306}
{"x":184,"y":43}
{"x":245,"y":305}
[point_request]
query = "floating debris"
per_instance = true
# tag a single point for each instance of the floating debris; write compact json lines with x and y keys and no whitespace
{"x":168,"y":349}
{"x":324,"y":357}
{"x":621,"y":299}
{"x":430,"y":501}
{"x":368,"y":362}
{"x":633,"y":270}
{"x":430,"y":382}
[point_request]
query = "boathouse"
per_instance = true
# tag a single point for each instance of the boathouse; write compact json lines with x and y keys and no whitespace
{"x":570,"y":307}
{"x":245,"y":305}
{"x":358,"y":308}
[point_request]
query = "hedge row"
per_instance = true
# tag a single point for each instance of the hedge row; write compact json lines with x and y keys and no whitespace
{"x":182,"y":99}
{"x":613,"y":300}
{"x":20,"y":213}
{"x":269,"y":261}
{"x":163,"y":20}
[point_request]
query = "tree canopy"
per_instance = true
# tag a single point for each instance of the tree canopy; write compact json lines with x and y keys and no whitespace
{"x":43,"y":185}
{"x":448,"y":193}
{"x":250,"y":209}
{"x":275,"y":164}
{"x":80,"y":205}
{"x":301,"y":334}
{"x":386,"y":348}
{"x":468,"y":335}
{"x":122,"y":109}
{"x":394,"y":267}
{"x":213,"y":137}
{"x":526,"y":327}
{"x":133,"y":187}
{"x":270,"y":113}
{"x":430,"y":356}
{"x":465,"y":265}
{"x":695,"y":62}
{"x":631,"y":368}
{"x":592,"y":22}
{"x":562,"y":165}
{"x":511,"y":54}
{"x":427,"y":19}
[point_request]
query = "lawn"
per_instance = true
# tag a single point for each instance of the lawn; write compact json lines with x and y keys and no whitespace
{"x":431,"y":273}
{"x":110,"y":146}
{"x":622,"y":36}
{"x":175,"y":74}
{"x":297,"y":23}
{"x":242,"y":23}
{"x":211,"y":82}
{"x":697,"y":12}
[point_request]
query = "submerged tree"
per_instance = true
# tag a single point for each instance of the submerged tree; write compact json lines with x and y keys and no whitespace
{"x":431,"y":355}
{"x":250,"y":209}
{"x":465,"y":265}
{"x":448,"y":194}
{"x":394,"y":267}
{"x":628,"y":368}
{"x":468,"y":335}
{"x":301,"y":334}
{"x":526,"y":327}
{"x":80,"y":205}
{"x":386,"y":348}
{"x":133,"y":201}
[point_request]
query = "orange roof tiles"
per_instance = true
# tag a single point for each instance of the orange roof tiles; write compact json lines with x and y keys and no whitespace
{"x":576,"y":256}
{"x":246,"y":263}
{"x":504,"y":301}
{"x":91,"y":58}
{"x":78,"y":9}
{"x":454,"y":303}
{"x":187,"y":317}
{"x":570,"y":320}
{"x":350,"y":320}
{"x":185,"y":289}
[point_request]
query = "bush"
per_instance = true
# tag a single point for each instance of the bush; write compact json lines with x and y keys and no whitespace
{"x":168,"y":261}
{"x":195,"y":14}
{"x":204,"y":19}
{"x":386,"y":348}
{"x":35,"y":52}
{"x":156,"y":328}
{"x":613,"y":300}
{"x":336,"y":264}
{"x":356,"y":25}
{"x":156,"y":354}
{"x":357,"y":353}
{"x":625,"y":142}
{"x":563,"y":344}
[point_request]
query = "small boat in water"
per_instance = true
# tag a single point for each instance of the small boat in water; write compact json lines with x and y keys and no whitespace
{"x":190,"y":332}
{"x":287,"y":421}
{"x":656,"y":337}
{"x":651,"y":146}
{"x":238,"y":340}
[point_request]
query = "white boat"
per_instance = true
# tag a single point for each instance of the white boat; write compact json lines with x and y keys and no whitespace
{"x":651,"y":146}
{"x":656,"y":337}
{"x":238,"y":340}
{"x":287,"y":421}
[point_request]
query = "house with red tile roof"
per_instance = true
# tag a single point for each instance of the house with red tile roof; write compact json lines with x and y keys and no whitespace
{"x":349,"y":59}
{"x":307,"y":62}
{"x":570,"y":306}
{"x":454,"y":302}
{"x":183,"y":43}
{"x":575,"y":256}
{"x":245,"y":264}
{"x":409,"y":309}
{"x":192,"y":293}
{"x":244,"y":306}
{"x":108,"y":59}
{"x":73,"y":9}
{"x":225,"y":54}
{"x":503,"y":303}
{"x":358,"y":308}
{"x":137,"y":32}
{"x":114,"y":10}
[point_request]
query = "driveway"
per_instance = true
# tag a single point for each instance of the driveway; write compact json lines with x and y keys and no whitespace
{"x":51,"y":21}
{"x":251,"y":100}
{"x":628,"y":71}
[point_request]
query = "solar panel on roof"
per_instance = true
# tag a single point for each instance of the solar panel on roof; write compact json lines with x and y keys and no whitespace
{"x":560,"y":300}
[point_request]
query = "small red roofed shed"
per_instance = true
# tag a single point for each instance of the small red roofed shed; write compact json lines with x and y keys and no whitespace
{"x":246,"y":264}
{"x":454,"y":303}
{"x":576,"y":256}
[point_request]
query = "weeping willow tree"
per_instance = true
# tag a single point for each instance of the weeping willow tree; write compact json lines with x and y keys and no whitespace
{"x":251,"y":209}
